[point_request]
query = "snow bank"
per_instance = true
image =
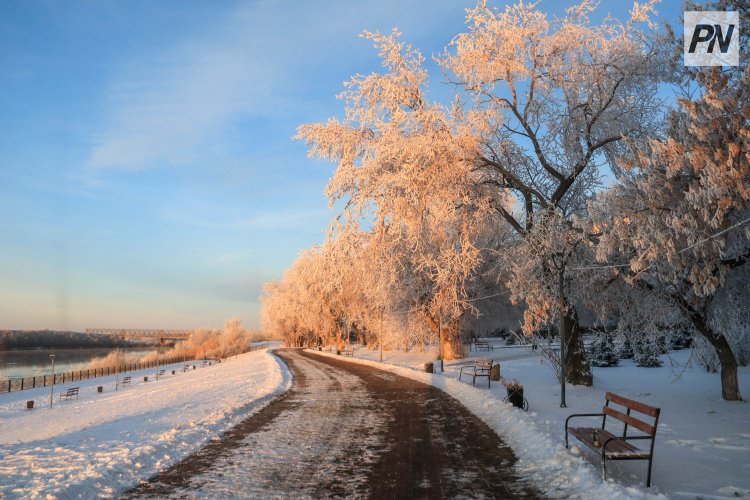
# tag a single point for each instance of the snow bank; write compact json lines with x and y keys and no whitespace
{"x":702,"y":444}
{"x":103,"y":443}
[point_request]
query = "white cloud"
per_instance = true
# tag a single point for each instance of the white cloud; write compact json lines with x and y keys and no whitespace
{"x":169,"y":105}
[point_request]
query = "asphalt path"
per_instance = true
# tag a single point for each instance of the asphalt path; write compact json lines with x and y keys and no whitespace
{"x":348,"y":430}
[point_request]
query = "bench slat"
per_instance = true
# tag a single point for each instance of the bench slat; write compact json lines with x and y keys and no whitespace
{"x":635,"y":405}
{"x":630,"y":420}
{"x":616,"y":447}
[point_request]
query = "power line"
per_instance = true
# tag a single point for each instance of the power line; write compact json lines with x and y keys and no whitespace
{"x":715,"y":235}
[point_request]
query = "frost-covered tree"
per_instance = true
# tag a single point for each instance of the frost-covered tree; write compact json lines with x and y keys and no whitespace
{"x":550,"y":101}
{"x":678,"y":222}
{"x":403,"y":173}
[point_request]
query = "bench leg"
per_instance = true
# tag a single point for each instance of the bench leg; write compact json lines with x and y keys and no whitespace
{"x":648,"y":476}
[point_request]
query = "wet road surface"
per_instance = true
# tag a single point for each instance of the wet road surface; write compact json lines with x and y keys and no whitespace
{"x":348,"y":430}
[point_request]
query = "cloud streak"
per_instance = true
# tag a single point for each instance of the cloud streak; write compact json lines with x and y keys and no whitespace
{"x":163,"y":109}
{"x":166,"y":107}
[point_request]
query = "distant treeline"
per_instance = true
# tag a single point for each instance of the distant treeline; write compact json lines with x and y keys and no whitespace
{"x":50,"y":339}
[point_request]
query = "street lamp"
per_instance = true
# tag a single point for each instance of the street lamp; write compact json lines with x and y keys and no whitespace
{"x":52,"y":387}
{"x":157,"y":360}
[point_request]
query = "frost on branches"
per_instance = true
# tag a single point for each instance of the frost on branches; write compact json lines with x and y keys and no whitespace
{"x":403,"y":172}
{"x":500,"y":195}
{"x":549,"y":102}
{"x":679,"y":220}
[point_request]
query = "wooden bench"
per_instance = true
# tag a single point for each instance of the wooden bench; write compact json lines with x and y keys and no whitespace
{"x":126,"y":381}
{"x":348,"y":351}
{"x":481,"y":345}
{"x":161,"y":373}
{"x":72,"y":392}
{"x":618,"y":447}
{"x":480,"y":368}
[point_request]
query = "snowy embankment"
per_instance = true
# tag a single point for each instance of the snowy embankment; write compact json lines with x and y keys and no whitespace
{"x":702,"y":442}
{"x":103,"y":443}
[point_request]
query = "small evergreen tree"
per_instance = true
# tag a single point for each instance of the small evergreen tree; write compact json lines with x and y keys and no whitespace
{"x":680,"y":338}
{"x":602,"y":351}
{"x":646,"y":353}
{"x":626,"y":348}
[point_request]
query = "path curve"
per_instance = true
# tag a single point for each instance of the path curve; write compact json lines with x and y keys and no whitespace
{"x":348,"y":430}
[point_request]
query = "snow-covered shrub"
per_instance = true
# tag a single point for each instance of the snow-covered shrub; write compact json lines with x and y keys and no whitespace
{"x":115,"y":358}
{"x":680,"y":338}
{"x":646,"y":352}
{"x":208,"y":343}
{"x":625,"y":348}
{"x":602,"y":351}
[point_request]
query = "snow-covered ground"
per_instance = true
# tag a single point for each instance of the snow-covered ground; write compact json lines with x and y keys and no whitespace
{"x":103,"y":443}
{"x":702,"y":442}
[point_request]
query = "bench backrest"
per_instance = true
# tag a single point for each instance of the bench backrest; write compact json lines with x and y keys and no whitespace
{"x":483,"y":363}
{"x":628,"y":419}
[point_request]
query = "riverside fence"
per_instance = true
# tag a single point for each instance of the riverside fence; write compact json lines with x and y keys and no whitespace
{"x":23,"y":383}
{"x":20,"y":384}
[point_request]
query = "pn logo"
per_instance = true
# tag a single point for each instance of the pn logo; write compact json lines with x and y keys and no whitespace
{"x":712,"y":38}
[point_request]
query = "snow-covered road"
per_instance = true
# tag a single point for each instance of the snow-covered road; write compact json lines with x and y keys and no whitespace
{"x":348,"y":430}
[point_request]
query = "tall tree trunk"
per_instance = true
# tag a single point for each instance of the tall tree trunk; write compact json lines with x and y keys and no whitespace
{"x":577,"y":367}
{"x":450,"y":338}
{"x":730,"y":386}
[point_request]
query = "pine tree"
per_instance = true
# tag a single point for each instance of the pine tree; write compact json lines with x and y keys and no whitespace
{"x":646,"y":353}
{"x":602,"y":351}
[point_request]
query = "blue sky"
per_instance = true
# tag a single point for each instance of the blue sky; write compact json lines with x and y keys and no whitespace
{"x":147,"y":172}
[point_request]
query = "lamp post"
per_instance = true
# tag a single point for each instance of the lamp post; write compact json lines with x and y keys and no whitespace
{"x":381,"y":335}
{"x":563,"y":337}
{"x":440,"y":342}
{"x":52,"y":387}
{"x":157,"y":360}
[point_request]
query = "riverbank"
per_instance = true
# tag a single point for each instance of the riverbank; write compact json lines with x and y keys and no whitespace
{"x":102,"y":443}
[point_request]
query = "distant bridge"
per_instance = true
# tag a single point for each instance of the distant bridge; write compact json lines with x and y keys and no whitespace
{"x":129,"y":334}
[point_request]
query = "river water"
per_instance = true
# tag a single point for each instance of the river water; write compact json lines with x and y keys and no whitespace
{"x":29,"y":363}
